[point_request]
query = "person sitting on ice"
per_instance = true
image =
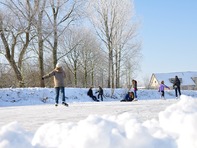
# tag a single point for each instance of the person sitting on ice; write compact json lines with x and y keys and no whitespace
{"x":129,"y":97}
{"x":90,"y":94}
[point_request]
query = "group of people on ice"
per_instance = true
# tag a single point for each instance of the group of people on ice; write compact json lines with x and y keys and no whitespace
{"x":100,"y":94}
{"x":59,"y":74}
{"x":176,"y":86}
{"x":130,"y":96}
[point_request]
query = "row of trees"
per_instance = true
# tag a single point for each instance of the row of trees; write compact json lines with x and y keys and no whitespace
{"x":96,"y":41}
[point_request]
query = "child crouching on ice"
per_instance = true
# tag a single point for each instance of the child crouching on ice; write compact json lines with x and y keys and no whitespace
{"x":128,"y":98}
{"x":162,"y":88}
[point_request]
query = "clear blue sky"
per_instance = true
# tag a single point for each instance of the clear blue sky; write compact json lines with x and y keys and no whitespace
{"x":169,"y":35}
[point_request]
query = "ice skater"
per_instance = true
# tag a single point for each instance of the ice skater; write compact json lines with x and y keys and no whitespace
{"x":59,"y":75}
{"x":176,"y":86}
{"x":162,"y":88}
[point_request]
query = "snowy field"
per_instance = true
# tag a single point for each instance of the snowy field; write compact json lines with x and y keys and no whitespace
{"x":28,"y":122}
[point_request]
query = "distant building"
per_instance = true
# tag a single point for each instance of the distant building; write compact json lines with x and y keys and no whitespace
{"x":188,"y":80}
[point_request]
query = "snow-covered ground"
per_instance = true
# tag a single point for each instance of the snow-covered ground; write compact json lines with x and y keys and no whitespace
{"x":28,"y":122}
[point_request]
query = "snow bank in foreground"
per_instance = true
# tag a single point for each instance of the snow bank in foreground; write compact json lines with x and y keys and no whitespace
{"x":176,"y":128}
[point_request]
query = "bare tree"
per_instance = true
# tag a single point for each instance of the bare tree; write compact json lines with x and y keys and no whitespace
{"x":71,"y":47}
{"x":81,"y":55}
{"x":113,"y":23}
{"x":64,"y":12}
{"x":90,"y":57}
{"x":15,"y":28}
{"x":127,"y":48}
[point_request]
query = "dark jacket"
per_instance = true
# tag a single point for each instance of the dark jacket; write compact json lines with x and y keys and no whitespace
{"x":100,"y":91}
{"x":129,"y":97}
{"x":90,"y":92}
{"x":177,"y":82}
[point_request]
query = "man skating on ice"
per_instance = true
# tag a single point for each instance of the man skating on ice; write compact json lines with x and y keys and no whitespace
{"x":58,"y":75}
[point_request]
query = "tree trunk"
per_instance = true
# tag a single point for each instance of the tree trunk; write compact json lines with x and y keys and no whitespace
{"x":75,"y":73}
{"x":17,"y":73}
{"x":55,"y":43}
{"x":85,"y":75}
{"x":40,"y":40}
{"x":41,"y":62}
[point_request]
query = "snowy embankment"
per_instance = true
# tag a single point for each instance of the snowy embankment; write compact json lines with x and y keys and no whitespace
{"x":35,"y":96}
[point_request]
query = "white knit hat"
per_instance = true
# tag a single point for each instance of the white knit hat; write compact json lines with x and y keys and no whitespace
{"x":58,"y":65}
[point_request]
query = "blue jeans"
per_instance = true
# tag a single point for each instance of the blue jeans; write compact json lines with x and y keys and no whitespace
{"x":177,"y":89}
{"x":101,"y":96}
{"x":58,"y":90}
{"x":135,"y":93}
